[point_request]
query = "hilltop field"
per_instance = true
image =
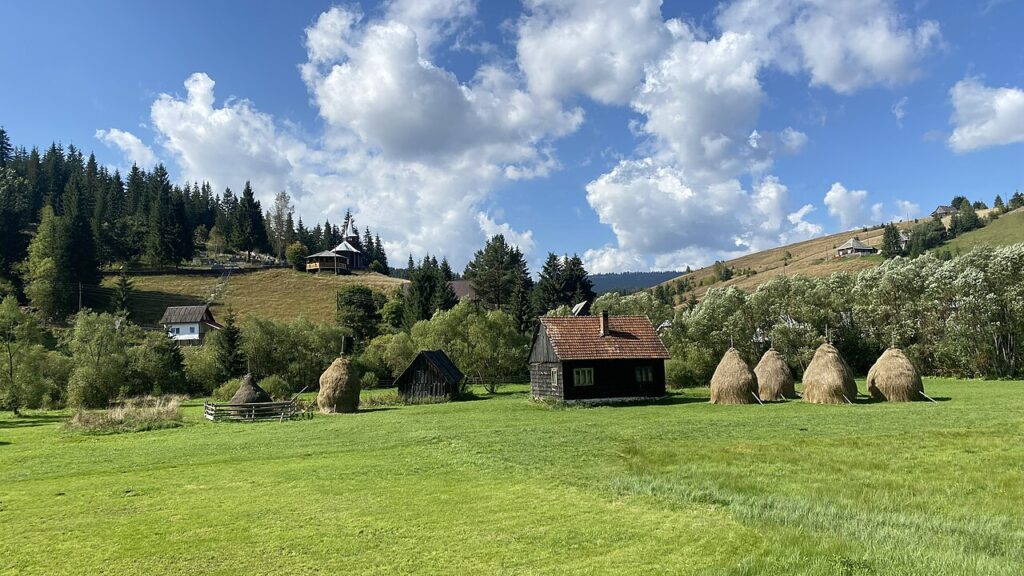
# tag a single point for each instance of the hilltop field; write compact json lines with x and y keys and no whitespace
{"x":816,"y":257}
{"x":276,"y":293}
{"x":502,"y":485}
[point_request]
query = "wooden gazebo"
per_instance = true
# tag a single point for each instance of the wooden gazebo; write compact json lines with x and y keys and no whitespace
{"x":327,"y":261}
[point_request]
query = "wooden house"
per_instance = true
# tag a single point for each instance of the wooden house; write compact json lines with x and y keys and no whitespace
{"x":943,"y":211}
{"x":430,"y":375}
{"x":854,"y":247}
{"x":189,"y":324}
{"x":338,"y":260}
{"x":594,"y":358}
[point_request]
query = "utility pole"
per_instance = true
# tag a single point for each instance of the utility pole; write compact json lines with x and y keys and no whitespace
{"x":79,"y":296}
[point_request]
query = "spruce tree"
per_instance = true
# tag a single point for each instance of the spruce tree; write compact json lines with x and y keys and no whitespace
{"x":550,"y":290}
{"x":998,"y":203}
{"x":578,"y":286}
{"x":891,"y":242}
{"x":5,"y":148}
{"x":163,"y":235}
{"x":250,"y":233}
{"x":121,"y":297}
{"x":227,"y":345}
{"x":81,"y":243}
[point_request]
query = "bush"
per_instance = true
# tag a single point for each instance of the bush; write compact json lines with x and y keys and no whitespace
{"x":225,"y":391}
{"x":202,"y":370}
{"x":155,"y":367}
{"x":276,"y":387}
{"x":137,"y":414}
{"x":369,"y":380}
{"x":296,"y":254}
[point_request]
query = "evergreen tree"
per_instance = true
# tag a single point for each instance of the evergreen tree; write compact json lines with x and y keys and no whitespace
{"x":381,"y":256}
{"x":891,"y":242}
{"x":578,"y":286}
{"x":6,"y":149}
{"x":998,"y":203}
{"x":495,"y":273}
{"x":227,"y":345}
{"x":163,"y":235}
{"x":121,"y":297}
{"x":135,"y":193}
{"x":227,"y":208}
{"x":446,"y":269}
{"x":250,"y":233}
{"x":428,"y":293}
{"x":959,"y":201}
{"x":15,"y":213}
{"x":356,"y":312}
{"x":550,"y":291}
{"x":81,"y":243}
{"x":1016,"y":201}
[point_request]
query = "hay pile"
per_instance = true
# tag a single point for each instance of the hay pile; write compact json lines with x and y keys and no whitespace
{"x":774,"y":379}
{"x":339,"y":388}
{"x":733,"y":382}
{"x":894,"y":378}
{"x":828,"y":380}
{"x":250,"y":393}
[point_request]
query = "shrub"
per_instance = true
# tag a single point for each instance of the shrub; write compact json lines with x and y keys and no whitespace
{"x":154,"y":367}
{"x":277,"y":387}
{"x":202,"y":370}
{"x":369,"y":380}
{"x":137,"y":414}
{"x":225,"y":391}
{"x":390,"y":398}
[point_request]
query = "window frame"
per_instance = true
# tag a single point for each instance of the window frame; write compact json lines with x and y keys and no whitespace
{"x":582,"y":377}
{"x":643,"y":374}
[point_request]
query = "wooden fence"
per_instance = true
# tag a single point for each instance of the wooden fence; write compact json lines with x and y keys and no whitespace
{"x":250,"y":412}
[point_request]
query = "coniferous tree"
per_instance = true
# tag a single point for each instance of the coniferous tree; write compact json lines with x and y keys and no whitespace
{"x":250,"y":233}
{"x":15,"y":213}
{"x":501,"y":279}
{"x":227,"y":345}
{"x":891,"y":242}
{"x":81,"y":243}
{"x":6,"y":150}
{"x":446,"y":269}
{"x":998,"y":204}
{"x":121,"y":297}
{"x":578,"y":286}
{"x":429,"y":292}
{"x":550,"y":291}
{"x":163,"y":235}
{"x":1016,"y":201}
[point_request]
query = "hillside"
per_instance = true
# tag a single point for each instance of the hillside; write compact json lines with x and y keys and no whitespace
{"x":629,"y":281}
{"x":280,"y":293}
{"x":816,"y":257}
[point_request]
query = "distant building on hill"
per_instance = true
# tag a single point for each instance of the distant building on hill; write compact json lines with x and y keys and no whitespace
{"x":854,"y":247}
{"x":597,"y":358}
{"x":340,"y":260}
{"x":904,"y":240}
{"x":189,"y":324}
{"x":943,"y":211}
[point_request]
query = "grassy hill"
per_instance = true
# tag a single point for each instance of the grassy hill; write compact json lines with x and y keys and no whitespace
{"x":816,"y":257}
{"x":278,"y":293}
{"x":501,"y":485}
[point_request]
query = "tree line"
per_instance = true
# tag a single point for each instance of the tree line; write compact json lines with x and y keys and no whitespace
{"x":64,"y":218}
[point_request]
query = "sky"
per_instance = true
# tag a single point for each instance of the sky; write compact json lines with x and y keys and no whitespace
{"x":641,"y":135}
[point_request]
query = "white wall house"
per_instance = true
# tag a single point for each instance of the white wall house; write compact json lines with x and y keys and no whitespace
{"x":189,"y":324}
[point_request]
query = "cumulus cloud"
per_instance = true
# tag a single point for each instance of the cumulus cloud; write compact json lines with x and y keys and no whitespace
{"x":843,"y":44}
{"x":984,"y":117}
{"x":133,"y":149}
{"x":609,"y":259}
{"x":521,"y":240}
{"x":592,"y":47}
{"x":431,"y":20}
{"x":899,"y":110}
{"x":849,"y":206}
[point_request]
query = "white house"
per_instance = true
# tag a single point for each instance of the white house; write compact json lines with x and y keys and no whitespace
{"x":189,"y":324}
{"x":854,"y":247}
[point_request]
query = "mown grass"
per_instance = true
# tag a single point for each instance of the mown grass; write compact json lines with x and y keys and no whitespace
{"x":278,"y":294}
{"x":504,"y":485}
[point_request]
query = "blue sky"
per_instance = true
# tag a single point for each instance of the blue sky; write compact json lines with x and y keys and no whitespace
{"x":638,"y":134}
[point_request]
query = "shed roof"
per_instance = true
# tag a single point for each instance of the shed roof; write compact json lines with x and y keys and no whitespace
{"x":463,"y":289}
{"x":579,"y":338}
{"x":444,"y":365}
{"x":854,"y":244}
{"x":186,"y":314}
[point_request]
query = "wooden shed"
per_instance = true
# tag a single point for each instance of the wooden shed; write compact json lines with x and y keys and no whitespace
{"x":581,"y":358}
{"x":430,"y":375}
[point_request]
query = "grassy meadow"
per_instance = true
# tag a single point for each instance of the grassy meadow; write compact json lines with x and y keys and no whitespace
{"x":276,"y":293}
{"x":502,"y":485}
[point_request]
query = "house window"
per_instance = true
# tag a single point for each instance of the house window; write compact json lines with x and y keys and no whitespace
{"x":192,"y":329}
{"x":554,"y":377}
{"x":583,"y":376}
{"x":176,"y":330}
{"x":644,"y":374}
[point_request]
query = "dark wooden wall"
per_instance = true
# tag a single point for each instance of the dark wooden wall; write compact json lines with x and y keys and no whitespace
{"x":614,"y":379}
{"x":422,"y":381}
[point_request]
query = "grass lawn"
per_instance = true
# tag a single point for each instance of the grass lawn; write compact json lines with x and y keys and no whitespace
{"x":502,"y":485}
{"x":1008,"y":229}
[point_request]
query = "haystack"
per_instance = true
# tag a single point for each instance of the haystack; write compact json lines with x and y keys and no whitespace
{"x":339,"y":388}
{"x":774,"y":379}
{"x":828,"y":380}
{"x":733,"y":382}
{"x":250,"y":393}
{"x":894,"y":378}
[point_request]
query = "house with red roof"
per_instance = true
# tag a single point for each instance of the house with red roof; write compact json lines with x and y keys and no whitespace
{"x":597,"y":358}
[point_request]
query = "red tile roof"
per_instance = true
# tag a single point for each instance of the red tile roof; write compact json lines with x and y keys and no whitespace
{"x":579,"y":338}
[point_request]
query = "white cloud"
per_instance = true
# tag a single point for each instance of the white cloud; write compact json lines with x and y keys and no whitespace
{"x":329,"y":38}
{"x":593,"y":47}
{"x":800,"y":229}
{"x":899,"y":110}
{"x":133,"y":149}
{"x":849,"y":206}
{"x":843,"y":44}
{"x":902,"y":210}
{"x":431,"y":20}
{"x":610,"y":259}
{"x":521,"y":240}
{"x":984,"y":116}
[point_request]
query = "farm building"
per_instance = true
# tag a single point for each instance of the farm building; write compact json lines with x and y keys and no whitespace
{"x":943,"y":211}
{"x":854,"y":247}
{"x":602,"y":357}
{"x":431,"y":374}
{"x":189,"y":324}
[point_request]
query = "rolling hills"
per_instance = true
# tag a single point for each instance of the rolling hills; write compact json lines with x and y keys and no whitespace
{"x":816,"y":257}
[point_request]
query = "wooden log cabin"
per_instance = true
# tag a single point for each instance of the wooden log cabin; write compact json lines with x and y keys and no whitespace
{"x":431,"y":375}
{"x":597,"y":358}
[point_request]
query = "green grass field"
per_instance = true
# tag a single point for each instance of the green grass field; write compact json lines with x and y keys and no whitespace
{"x":1008,"y":229}
{"x":501,"y":485}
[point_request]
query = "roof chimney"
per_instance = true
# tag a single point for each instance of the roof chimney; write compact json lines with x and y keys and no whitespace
{"x":604,"y":323}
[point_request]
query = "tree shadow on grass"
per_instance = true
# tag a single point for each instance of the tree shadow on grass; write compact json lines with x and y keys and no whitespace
{"x":29,"y":421}
{"x":4,"y":443}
